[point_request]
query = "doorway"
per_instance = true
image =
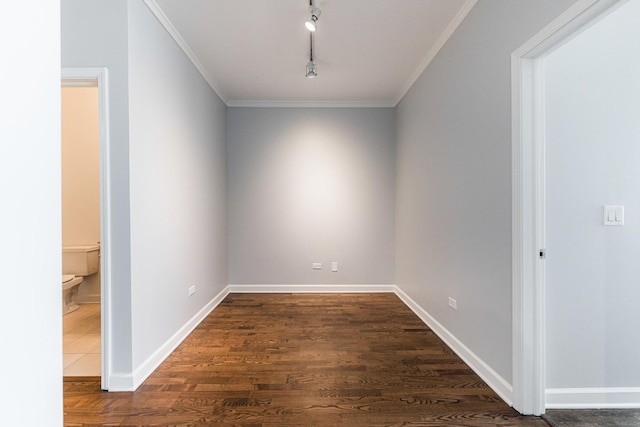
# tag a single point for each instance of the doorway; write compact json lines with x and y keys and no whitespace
{"x":86,"y":89}
{"x":592,"y":147}
{"x":529,"y":233}
{"x":81,"y":230}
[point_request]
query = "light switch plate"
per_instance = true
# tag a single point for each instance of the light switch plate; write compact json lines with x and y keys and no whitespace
{"x":613,"y":215}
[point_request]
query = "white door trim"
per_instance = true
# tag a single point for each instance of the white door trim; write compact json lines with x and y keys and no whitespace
{"x":528,"y":198}
{"x":99,"y":77}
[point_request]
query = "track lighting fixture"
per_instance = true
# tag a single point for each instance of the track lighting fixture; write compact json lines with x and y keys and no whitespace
{"x":312,"y":70}
{"x":314,"y":14}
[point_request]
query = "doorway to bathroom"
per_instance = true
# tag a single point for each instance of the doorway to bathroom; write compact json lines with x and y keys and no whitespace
{"x":85,"y":224}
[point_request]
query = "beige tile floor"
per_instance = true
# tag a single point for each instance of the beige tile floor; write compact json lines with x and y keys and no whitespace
{"x":81,"y":342}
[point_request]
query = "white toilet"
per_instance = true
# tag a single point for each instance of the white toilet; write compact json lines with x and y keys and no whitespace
{"x":77,"y":262}
{"x":70,"y":285}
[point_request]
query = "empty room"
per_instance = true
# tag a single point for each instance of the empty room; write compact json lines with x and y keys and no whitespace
{"x":318,"y":212}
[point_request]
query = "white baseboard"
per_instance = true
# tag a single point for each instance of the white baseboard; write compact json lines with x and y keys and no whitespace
{"x":121,"y":382}
{"x":484,"y":371}
{"x":593,"y":398}
{"x":142,"y":372}
{"x":89,"y":299}
{"x":297,"y":289}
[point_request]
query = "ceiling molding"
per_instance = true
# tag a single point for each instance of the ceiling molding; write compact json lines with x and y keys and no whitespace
{"x":311,"y":104}
{"x":580,"y":16}
{"x":79,"y":82}
{"x":453,"y":25}
{"x":175,"y":34}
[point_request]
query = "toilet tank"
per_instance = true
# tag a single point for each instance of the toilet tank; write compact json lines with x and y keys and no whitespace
{"x":81,"y":260}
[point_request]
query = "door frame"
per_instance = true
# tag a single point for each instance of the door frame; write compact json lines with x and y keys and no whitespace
{"x":98,"y":77}
{"x":528,"y":198}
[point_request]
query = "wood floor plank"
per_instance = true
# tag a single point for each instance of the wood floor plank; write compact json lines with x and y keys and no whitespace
{"x":302,"y":360}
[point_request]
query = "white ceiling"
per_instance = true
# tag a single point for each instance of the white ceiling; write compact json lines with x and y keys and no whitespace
{"x":254,"y":52}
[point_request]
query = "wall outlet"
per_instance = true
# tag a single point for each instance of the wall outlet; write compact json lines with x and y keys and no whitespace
{"x":453,"y":303}
{"x":334,"y":266}
{"x":317,"y":266}
{"x":192,"y":290}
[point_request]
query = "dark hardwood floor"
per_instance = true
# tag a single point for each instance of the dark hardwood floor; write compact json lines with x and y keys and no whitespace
{"x":302,"y":360}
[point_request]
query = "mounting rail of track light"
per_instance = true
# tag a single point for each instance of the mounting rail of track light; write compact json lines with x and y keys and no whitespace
{"x":312,"y":70}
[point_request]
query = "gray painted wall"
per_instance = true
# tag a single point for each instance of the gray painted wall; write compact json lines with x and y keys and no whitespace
{"x":167,"y":174}
{"x":30,"y":217}
{"x":178,"y":187}
{"x":593,"y":147}
{"x":94,"y":34}
{"x":453,"y":185}
{"x":310,"y":185}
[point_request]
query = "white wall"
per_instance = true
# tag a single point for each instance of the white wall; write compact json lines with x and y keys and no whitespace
{"x":178,"y":195}
{"x":593,"y":152}
{"x":310,"y":185}
{"x":453,"y":190}
{"x":94,"y":34}
{"x":30,"y":307}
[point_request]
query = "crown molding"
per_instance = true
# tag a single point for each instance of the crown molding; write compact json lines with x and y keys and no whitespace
{"x":311,"y":104}
{"x":580,"y":16}
{"x":451,"y":28}
{"x":175,"y":34}
{"x":177,"y":37}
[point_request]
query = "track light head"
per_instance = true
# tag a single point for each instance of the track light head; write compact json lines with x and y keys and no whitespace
{"x":314,"y":14}
{"x":312,"y":70}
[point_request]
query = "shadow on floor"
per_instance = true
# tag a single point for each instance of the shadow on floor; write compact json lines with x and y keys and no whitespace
{"x":593,"y":417}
